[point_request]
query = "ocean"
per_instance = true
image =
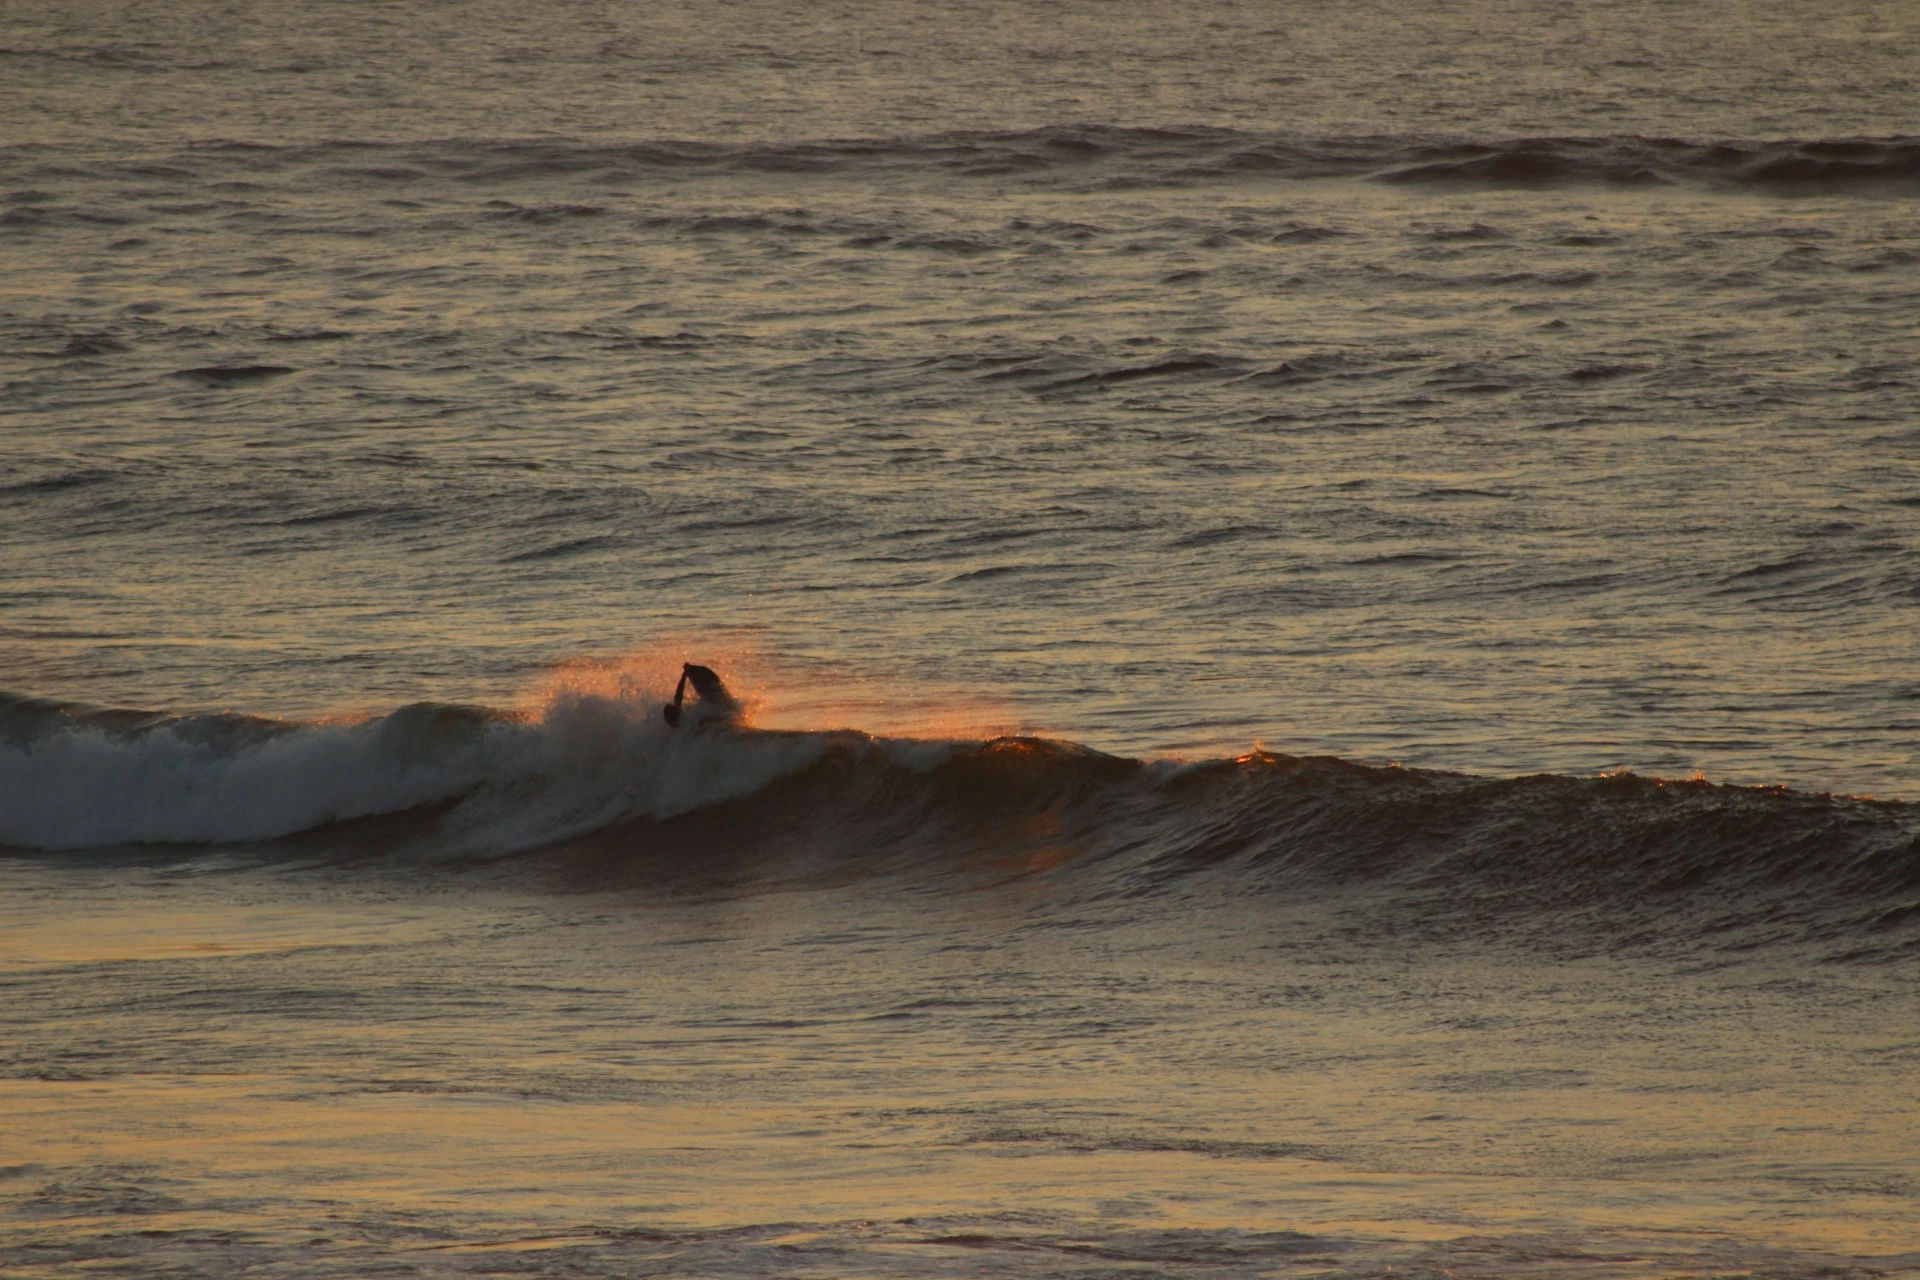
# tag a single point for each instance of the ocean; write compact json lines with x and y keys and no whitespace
{"x":1325,"y":596}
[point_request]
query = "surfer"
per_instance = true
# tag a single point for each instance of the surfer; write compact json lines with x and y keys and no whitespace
{"x":707,"y":687}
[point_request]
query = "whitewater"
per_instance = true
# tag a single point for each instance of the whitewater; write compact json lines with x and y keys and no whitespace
{"x":1325,"y":597}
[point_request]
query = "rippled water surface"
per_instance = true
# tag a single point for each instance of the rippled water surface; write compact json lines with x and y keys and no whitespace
{"x":1145,"y":377}
{"x":1456,"y":467}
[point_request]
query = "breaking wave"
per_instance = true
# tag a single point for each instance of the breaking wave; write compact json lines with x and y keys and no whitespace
{"x":599,"y":778}
{"x":77,"y":777}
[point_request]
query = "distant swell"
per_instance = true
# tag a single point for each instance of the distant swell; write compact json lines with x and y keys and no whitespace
{"x":1079,"y":155}
{"x":601,"y":778}
{"x":1136,"y":156}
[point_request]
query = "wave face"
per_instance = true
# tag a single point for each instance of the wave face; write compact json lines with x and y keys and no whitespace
{"x":601,"y":779}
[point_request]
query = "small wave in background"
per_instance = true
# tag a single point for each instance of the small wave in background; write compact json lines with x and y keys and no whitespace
{"x":1093,"y":156}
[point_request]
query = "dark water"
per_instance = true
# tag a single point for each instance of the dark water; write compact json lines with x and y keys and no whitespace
{"x":1454,"y":466}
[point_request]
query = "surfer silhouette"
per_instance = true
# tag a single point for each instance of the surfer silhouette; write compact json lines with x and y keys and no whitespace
{"x":707,"y":687}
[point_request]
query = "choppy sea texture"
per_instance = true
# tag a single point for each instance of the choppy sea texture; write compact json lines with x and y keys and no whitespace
{"x":1514,"y":387}
{"x":1724,"y":69}
{"x":1490,"y":481}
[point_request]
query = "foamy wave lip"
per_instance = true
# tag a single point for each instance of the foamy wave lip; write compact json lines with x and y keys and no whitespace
{"x":593,"y":760}
{"x":587,"y":760}
{"x":176,"y":783}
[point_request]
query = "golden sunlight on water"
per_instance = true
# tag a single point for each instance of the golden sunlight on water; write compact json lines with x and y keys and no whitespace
{"x":784,"y":694}
{"x":537,"y":1161}
{"x":715,"y":1073}
{"x":157,"y":933}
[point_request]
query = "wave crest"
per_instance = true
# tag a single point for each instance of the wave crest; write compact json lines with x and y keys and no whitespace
{"x":77,"y":777}
{"x":594,"y":775}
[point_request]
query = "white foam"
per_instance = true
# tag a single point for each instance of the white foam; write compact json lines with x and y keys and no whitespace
{"x":594,"y":760}
{"x":84,"y":787}
{"x":588,"y":760}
